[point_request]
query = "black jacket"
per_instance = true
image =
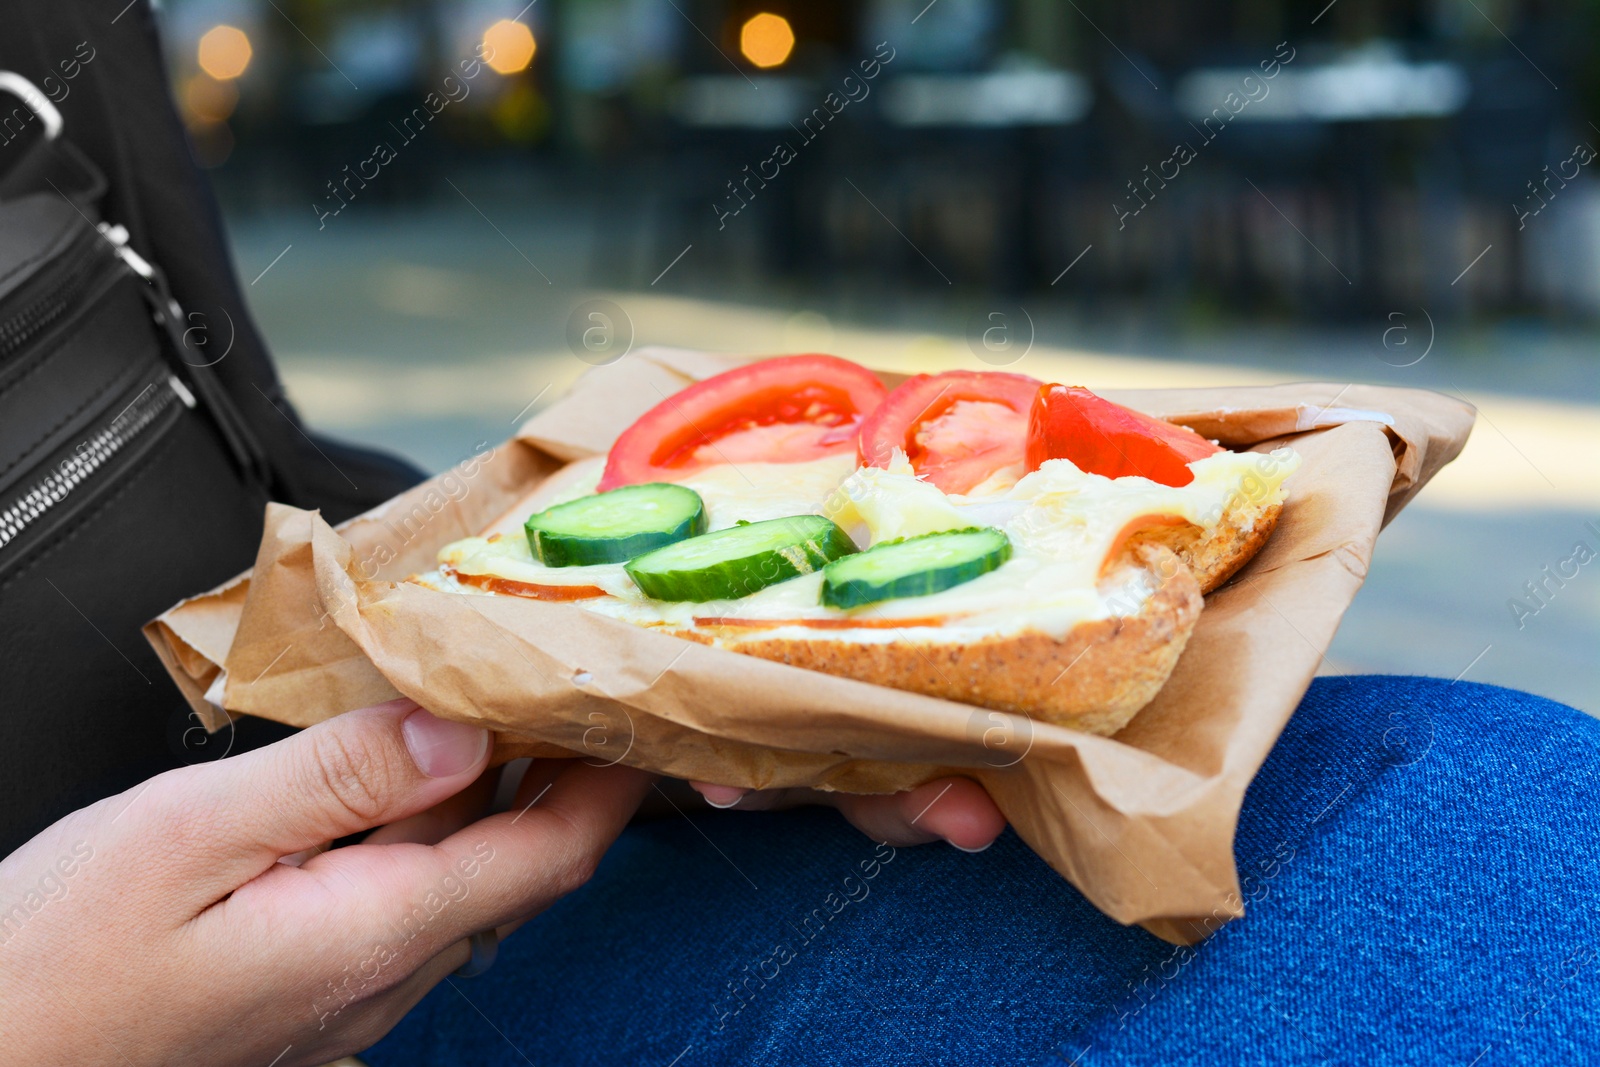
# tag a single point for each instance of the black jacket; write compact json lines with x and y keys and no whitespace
{"x":107,"y":734}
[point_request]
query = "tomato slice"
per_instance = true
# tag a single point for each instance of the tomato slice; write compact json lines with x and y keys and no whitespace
{"x":509,"y":587}
{"x":957,"y":428}
{"x":1099,"y":437}
{"x":790,"y":409}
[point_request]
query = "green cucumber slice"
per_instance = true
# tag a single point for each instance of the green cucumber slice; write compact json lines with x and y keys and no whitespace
{"x":914,"y":566}
{"x":616,"y":526}
{"x":740,"y":560}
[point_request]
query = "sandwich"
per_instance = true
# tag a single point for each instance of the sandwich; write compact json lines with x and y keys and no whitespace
{"x":984,"y":537}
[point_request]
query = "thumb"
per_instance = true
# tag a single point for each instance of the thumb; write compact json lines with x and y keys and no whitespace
{"x":353,"y":772}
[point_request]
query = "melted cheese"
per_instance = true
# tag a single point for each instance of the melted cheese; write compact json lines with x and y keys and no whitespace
{"x":1062,"y":523}
{"x":731,"y":492}
{"x":755,"y":491}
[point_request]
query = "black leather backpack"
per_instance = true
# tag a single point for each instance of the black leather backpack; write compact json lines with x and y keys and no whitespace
{"x":138,"y":444}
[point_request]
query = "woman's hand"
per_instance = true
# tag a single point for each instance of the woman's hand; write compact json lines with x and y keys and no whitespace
{"x":160,"y":926}
{"x":957,"y":810}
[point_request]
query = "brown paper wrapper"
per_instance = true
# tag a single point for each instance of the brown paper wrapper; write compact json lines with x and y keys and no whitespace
{"x":1142,"y":822}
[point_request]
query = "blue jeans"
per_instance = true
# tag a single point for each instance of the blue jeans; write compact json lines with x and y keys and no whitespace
{"x":1420,"y":861}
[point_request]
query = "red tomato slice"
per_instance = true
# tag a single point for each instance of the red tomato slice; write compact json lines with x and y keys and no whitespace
{"x":1070,"y":422}
{"x":510,"y":587}
{"x":784,"y":410}
{"x":957,"y":428}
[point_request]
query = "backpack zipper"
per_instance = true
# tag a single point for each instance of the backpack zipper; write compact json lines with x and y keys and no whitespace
{"x":159,"y":394}
{"x":42,"y":313}
{"x":153,"y":400}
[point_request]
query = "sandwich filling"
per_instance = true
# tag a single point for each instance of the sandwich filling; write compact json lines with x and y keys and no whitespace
{"x":1064,"y":526}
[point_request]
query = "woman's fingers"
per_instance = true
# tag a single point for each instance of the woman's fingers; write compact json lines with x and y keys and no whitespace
{"x":724,"y":796}
{"x":227,"y":822}
{"x":551,"y":840}
{"x":957,"y":810}
{"x":179,"y":881}
{"x":414,"y":901}
{"x":444,"y":818}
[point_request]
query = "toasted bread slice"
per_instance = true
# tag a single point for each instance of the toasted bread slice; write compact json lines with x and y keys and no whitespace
{"x":1094,"y":678}
{"x":1038,"y":648}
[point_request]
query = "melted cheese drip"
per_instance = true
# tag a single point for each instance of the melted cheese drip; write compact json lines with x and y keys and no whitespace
{"x":1062,"y":523}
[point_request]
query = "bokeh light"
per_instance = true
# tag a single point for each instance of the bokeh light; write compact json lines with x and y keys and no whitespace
{"x":225,"y":52}
{"x":766,"y":40}
{"x":206,"y":100}
{"x":509,"y":46}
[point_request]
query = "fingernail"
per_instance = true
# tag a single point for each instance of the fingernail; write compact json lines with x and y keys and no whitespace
{"x":722,"y":796}
{"x":980,"y":848}
{"x":441,"y":748}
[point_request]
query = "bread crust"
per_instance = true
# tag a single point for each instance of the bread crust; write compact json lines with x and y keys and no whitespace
{"x":1216,"y":557}
{"x":1094,"y":679}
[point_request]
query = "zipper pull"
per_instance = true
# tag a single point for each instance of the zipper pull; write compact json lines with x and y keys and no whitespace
{"x":182,"y":390}
{"x":117,"y":237}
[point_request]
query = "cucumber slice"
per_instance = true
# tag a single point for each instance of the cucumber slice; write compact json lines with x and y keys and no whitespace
{"x":616,"y":526}
{"x":740,"y":560}
{"x":914,"y":566}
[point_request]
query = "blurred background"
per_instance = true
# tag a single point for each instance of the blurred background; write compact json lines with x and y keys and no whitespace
{"x":444,"y":210}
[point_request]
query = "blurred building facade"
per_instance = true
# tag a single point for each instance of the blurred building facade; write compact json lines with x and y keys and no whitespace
{"x":1324,"y":161}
